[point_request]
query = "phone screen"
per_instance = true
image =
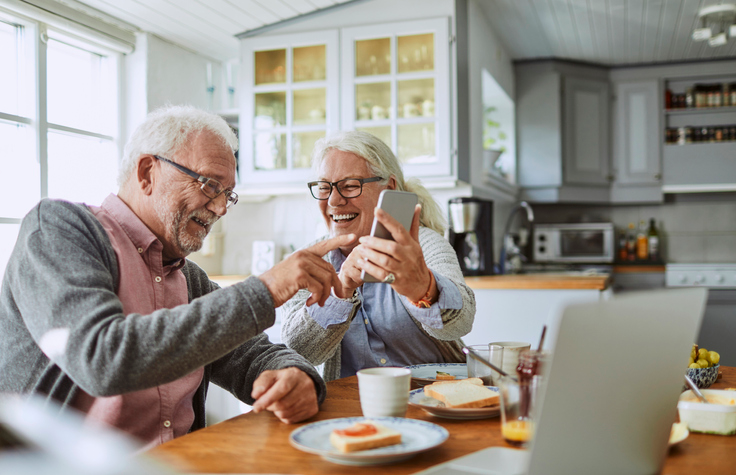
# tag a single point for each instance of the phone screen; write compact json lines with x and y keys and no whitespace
{"x":400,"y":205}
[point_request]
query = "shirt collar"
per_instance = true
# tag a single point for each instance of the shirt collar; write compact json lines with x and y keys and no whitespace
{"x":136,"y":230}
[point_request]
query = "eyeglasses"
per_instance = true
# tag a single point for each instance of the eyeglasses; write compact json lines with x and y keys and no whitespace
{"x":348,"y":187}
{"x":210,"y":187}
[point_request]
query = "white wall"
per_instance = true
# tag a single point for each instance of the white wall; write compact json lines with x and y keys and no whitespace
{"x":160,"y":73}
{"x":485,"y":51}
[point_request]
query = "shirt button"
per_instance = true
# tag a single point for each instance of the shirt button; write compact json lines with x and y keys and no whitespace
{"x":383,"y":360}
{"x":167,"y":424}
{"x":366,"y":321}
{"x":140,"y":250}
{"x":157,"y":279}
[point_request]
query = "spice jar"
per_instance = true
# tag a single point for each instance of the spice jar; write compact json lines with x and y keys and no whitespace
{"x":689,"y":98}
{"x":701,"y":97}
{"x":726,"y":94}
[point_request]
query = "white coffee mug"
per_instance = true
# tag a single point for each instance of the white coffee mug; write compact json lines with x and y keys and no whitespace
{"x":384,"y":392}
{"x":511,"y":350}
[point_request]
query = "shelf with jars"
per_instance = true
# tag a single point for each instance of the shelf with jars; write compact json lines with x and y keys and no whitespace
{"x":700,"y":112}
{"x":699,"y":135}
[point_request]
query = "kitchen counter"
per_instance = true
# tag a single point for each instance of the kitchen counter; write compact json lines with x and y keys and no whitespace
{"x":516,"y":307}
{"x":547,"y":281}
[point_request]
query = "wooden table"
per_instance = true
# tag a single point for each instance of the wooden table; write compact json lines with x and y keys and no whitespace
{"x":259,"y":443}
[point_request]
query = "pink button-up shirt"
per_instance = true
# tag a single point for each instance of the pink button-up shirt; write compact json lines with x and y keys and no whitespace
{"x":158,"y":414}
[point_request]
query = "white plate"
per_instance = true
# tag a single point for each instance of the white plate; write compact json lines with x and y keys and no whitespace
{"x":678,"y":433}
{"x":437,"y":408}
{"x":416,"y":436}
{"x":424,"y":374}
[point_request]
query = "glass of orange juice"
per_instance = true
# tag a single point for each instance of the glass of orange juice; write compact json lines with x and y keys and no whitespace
{"x":519,"y":398}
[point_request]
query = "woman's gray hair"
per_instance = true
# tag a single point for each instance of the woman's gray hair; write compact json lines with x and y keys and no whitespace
{"x":383,"y":163}
{"x":166,"y":130}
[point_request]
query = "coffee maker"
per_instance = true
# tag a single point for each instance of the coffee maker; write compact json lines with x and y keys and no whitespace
{"x":471,"y":234}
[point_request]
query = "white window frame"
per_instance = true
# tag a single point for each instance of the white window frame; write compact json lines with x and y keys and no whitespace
{"x":39,"y":24}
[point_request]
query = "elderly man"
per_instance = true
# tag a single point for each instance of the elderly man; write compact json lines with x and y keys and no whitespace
{"x":100,"y":310}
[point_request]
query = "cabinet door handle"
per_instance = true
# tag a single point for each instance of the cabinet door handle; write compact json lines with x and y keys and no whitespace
{"x":610,"y":176}
{"x":658,"y":176}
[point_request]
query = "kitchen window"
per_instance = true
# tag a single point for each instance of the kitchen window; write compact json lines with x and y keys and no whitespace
{"x":59,"y":120}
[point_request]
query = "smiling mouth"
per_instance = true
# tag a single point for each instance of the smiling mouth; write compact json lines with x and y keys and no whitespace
{"x":343,"y":218}
{"x":206,"y":226}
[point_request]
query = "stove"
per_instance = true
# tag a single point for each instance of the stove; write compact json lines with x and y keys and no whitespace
{"x":713,"y":276}
{"x":719,"y":322}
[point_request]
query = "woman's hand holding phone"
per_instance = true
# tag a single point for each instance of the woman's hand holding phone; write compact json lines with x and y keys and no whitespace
{"x":402,"y":257}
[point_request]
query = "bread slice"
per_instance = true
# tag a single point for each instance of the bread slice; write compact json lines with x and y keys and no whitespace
{"x":444,"y":376}
{"x":462,"y":394}
{"x":353,"y":443}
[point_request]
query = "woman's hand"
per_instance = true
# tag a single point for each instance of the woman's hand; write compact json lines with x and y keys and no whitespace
{"x":402,"y":257}
{"x":350,"y":272}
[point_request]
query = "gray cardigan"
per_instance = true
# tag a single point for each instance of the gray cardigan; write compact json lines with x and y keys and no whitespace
{"x":63,"y":326}
{"x":322,"y":345}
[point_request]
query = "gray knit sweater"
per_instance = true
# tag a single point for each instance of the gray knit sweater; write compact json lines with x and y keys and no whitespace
{"x":322,"y":345}
{"x":63,"y":327}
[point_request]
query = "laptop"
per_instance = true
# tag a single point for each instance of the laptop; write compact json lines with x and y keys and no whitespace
{"x":612,"y":387}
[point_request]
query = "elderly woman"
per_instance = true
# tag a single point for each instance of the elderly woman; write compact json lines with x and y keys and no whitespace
{"x":420,"y":313}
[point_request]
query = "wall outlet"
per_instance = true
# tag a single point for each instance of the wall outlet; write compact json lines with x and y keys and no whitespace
{"x":264,"y":256}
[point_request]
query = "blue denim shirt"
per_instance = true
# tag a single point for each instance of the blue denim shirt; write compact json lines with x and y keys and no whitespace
{"x":383,"y":332}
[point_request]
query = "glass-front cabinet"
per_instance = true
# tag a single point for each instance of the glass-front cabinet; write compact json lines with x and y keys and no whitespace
{"x":395,"y":85}
{"x":392,"y":80}
{"x":291,"y":102}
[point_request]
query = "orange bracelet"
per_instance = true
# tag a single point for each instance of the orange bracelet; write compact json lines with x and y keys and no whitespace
{"x":425,"y":302}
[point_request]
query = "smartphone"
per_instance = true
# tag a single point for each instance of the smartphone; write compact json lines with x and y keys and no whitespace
{"x":400,"y":205}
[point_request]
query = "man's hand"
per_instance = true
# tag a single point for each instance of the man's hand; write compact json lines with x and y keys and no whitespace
{"x":288,"y":393}
{"x":305,"y":269}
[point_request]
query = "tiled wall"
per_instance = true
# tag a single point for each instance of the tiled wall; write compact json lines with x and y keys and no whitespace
{"x":694,"y":228}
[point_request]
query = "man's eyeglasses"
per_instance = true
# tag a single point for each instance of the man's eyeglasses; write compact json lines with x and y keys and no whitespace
{"x":210,"y":187}
{"x":348,"y":187}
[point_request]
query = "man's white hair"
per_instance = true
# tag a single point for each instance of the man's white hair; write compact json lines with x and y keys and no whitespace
{"x":166,"y":130}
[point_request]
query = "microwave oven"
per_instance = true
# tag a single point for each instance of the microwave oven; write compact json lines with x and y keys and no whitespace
{"x":574,"y":243}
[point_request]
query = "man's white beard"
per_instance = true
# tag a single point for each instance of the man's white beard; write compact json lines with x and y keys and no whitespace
{"x":175,"y":223}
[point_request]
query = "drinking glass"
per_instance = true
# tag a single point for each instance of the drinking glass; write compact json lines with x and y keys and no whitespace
{"x":476,"y":369}
{"x":521,"y":398}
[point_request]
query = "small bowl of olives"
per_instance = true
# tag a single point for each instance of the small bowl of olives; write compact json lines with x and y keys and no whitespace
{"x":703,"y":367}
{"x":704,"y":377}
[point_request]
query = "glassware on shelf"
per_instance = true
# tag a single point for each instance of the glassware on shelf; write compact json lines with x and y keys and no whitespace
{"x":309,"y":106}
{"x":416,"y":53}
{"x":310,"y":63}
{"x":270,"y":110}
{"x":270,"y":66}
{"x":377,"y":96}
{"x":373,"y":57}
{"x":416,"y":97}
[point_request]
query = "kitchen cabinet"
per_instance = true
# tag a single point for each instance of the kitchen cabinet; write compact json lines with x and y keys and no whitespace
{"x":395,"y":85}
{"x":290,"y":99}
{"x":563,"y":132}
{"x":389,"y":79}
{"x":637,"y":169}
{"x":702,"y":155}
